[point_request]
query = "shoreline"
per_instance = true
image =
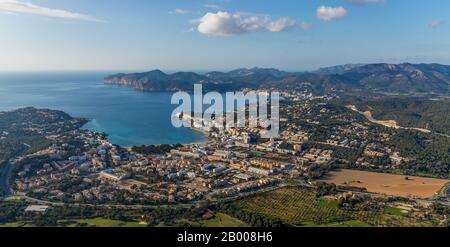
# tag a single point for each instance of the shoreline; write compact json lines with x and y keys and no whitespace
{"x":204,"y":133}
{"x":129,"y":147}
{"x":207,"y":141}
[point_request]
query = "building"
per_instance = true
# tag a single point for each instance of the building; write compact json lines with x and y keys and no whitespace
{"x":259,"y":171}
{"x":36,"y":208}
{"x":263,"y":163}
{"x":215,"y":168}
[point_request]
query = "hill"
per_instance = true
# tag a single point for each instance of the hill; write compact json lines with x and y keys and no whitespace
{"x":403,"y":78}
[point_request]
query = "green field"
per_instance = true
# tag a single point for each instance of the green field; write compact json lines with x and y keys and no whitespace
{"x":395,"y":211}
{"x":298,"y":206}
{"x":349,"y":223}
{"x":96,"y":222}
{"x":218,"y":220}
{"x":222,"y":220}
{"x":100,"y":222}
{"x":14,"y":224}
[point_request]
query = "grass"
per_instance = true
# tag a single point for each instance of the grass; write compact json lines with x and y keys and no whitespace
{"x":96,"y":222}
{"x":328,"y":203}
{"x":257,"y":154}
{"x":13,"y":224}
{"x":395,"y":211}
{"x":349,"y":223}
{"x":219,"y":220}
{"x":100,"y":222}
{"x":222,"y":220}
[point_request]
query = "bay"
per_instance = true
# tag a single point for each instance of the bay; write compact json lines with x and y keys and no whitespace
{"x":129,"y":117}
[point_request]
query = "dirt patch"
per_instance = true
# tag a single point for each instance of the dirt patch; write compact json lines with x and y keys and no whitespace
{"x":389,"y":184}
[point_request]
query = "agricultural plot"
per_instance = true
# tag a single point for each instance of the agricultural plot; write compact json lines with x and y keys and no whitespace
{"x":388,"y":184}
{"x":299,"y":206}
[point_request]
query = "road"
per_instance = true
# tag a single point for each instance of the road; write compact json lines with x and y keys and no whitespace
{"x":392,"y":123}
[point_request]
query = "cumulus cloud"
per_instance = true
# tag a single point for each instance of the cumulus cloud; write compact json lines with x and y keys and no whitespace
{"x":327,"y":13}
{"x":14,"y":6}
{"x":227,"y":24}
{"x":365,"y":2}
{"x":437,"y":23}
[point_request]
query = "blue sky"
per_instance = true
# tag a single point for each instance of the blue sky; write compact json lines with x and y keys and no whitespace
{"x":206,"y":35}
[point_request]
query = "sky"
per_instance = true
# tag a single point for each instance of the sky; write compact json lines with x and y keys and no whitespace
{"x":203,"y":35}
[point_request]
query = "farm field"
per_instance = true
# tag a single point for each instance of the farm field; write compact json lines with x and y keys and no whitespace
{"x":388,"y":184}
{"x":300,"y":207}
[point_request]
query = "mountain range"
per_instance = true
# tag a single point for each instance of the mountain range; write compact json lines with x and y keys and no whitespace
{"x":403,"y":78}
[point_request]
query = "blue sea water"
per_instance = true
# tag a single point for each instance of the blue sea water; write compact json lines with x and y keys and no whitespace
{"x":129,"y":117}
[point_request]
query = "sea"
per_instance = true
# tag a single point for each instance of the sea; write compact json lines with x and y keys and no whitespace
{"x":129,"y":117}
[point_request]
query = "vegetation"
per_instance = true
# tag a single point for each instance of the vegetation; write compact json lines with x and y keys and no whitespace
{"x":9,"y":210}
{"x":222,"y":220}
{"x":411,"y":112}
{"x":431,"y":152}
{"x":395,"y":211}
{"x":155,"y":149}
{"x":299,"y":206}
{"x":324,"y":189}
{"x":100,"y":222}
{"x":25,"y":130}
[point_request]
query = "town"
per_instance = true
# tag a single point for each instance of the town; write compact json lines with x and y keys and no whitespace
{"x":82,"y":167}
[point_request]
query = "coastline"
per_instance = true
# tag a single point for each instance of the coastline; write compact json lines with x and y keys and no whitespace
{"x":204,"y":133}
{"x":128,"y":147}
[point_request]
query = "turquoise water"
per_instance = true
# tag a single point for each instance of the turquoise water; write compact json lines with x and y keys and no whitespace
{"x":129,"y":117}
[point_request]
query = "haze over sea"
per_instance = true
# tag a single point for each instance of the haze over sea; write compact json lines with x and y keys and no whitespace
{"x":129,"y":117}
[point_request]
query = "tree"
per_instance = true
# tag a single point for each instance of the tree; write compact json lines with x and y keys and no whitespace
{"x":324,"y":189}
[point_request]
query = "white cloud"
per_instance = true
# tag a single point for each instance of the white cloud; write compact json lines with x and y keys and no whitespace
{"x":227,"y":24}
{"x":284,"y":24}
{"x":180,"y":11}
{"x":327,"y":13}
{"x":14,"y":6}
{"x":364,"y":2}
{"x":437,"y":23}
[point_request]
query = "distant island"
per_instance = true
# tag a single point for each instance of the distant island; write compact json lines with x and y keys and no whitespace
{"x":403,"y":78}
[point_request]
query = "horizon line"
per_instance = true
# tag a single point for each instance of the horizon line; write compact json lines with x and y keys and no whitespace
{"x":140,"y":70}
